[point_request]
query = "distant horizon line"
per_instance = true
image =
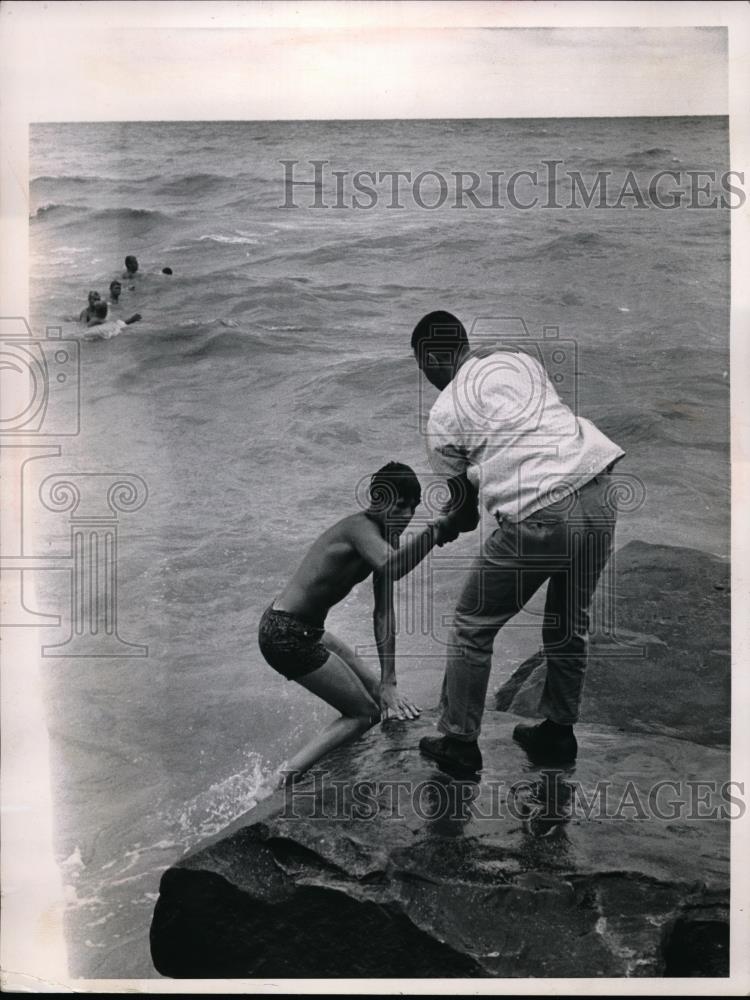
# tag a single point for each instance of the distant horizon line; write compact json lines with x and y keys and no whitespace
{"x":269,"y":121}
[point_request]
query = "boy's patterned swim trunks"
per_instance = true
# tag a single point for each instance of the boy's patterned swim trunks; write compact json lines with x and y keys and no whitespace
{"x":290,"y":644}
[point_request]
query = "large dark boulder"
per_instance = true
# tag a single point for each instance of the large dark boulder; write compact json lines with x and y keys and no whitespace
{"x":595,"y":871}
{"x":666,"y":666}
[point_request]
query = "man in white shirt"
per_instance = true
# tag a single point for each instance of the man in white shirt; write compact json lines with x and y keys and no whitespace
{"x":498,"y":431}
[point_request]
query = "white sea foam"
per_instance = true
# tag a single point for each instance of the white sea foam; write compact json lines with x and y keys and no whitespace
{"x":221,"y":803}
{"x":75,"y":902}
{"x":224,"y":238}
{"x":73,"y":863}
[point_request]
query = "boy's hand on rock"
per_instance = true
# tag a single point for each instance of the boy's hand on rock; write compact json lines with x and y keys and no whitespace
{"x":395,"y":706}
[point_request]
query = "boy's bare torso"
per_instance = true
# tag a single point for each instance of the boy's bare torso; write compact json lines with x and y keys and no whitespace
{"x":343,"y":556}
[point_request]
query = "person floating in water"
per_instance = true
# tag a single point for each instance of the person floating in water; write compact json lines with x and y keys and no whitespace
{"x":292,"y":634}
{"x":88,"y":313}
{"x":99,"y":328}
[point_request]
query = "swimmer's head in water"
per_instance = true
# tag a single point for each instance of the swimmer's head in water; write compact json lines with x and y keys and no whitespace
{"x":115,"y":289}
{"x":100,"y":310}
{"x":131,"y":264}
{"x":94,"y":297}
{"x":166,"y":270}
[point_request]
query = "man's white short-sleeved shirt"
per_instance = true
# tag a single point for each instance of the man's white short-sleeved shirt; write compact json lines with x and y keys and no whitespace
{"x":501,"y":422}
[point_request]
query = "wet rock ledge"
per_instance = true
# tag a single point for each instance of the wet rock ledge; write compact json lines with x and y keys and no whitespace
{"x":385,"y":866}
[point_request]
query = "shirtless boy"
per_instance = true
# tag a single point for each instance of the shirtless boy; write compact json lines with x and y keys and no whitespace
{"x":292,"y":634}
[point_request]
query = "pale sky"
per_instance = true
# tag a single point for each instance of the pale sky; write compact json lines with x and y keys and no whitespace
{"x":73,"y":61}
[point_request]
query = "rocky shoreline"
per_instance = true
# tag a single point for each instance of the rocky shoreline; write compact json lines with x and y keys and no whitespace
{"x":380,"y":865}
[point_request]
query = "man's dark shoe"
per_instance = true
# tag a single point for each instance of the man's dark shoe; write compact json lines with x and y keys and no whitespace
{"x":453,"y":755}
{"x":547,"y":742}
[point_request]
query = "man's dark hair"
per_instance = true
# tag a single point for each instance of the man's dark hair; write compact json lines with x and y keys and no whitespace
{"x":100,"y":310}
{"x":395,"y":481}
{"x":439,"y":330}
{"x":131,"y":263}
{"x":166,"y":270}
